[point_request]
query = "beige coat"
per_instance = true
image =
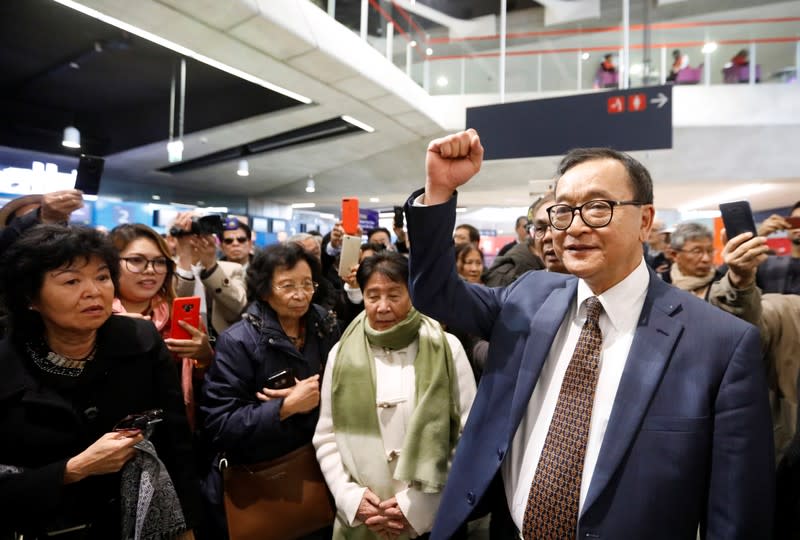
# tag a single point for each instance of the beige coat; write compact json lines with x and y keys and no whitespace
{"x":778,"y":318}
{"x":226,"y":293}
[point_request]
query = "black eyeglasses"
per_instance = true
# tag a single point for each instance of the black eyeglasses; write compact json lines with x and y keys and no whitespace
{"x":595,"y":214}
{"x":141,"y":421}
{"x":137,"y":264}
{"x":240,"y":239}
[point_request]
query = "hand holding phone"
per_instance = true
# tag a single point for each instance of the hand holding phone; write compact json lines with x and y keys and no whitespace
{"x":738,"y":218}
{"x":280,"y":380}
{"x":185,"y":309}
{"x":90,"y":170}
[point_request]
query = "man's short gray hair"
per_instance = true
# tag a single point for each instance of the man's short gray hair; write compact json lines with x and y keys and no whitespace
{"x":686,"y":232}
{"x":299,"y":238}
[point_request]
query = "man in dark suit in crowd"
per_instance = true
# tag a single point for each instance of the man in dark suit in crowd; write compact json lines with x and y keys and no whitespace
{"x":612,"y":405}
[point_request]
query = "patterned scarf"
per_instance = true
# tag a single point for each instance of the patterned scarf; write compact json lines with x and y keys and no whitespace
{"x":432,"y":430}
{"x":150,"y":506}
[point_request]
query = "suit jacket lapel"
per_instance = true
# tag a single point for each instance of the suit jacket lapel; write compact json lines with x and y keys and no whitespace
{"x":652,"y":347}
{"x":542,"y":332}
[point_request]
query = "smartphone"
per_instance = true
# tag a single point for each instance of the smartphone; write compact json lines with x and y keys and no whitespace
{"x":186,"y":308}
{"x":350,"y":215}
{"x":351,"y":249}
{"x":398,"y":217}
{"x":794,"y":221}
{"x":140,"y":421}
{"x":280,"y":380}
{"x":90,"y":169}
{"x":738,"y":218}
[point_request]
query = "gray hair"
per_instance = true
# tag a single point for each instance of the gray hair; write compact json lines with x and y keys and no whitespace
{"x":299,"y":237}
{"x":686,"y":232}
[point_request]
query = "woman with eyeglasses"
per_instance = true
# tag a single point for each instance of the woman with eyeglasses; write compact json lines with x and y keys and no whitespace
{"x":70,"y":372}
{"x":146,"y":290}
{"x":261,"y":396}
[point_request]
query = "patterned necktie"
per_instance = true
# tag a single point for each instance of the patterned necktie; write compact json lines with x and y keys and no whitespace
{"x":552,"y":510}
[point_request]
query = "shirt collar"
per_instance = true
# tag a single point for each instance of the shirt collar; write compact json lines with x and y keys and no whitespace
{"x":617,"y":300}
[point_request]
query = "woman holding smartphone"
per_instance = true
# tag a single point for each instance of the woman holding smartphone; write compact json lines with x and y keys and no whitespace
{"x":146,"y":290}
{"x":261,"y":397}
{"x":71,"y":372}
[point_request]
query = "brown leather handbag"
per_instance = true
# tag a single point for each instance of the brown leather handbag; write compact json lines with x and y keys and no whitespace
{"x":280,"y":499}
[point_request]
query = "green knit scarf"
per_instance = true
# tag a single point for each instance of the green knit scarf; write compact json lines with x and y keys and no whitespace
{"x":434,"y":425}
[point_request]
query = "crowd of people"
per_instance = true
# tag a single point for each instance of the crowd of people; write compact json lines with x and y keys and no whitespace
{"x":628,"y":387}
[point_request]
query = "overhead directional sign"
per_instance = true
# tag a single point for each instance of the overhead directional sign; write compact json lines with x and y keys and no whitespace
{"x":634,"y":119}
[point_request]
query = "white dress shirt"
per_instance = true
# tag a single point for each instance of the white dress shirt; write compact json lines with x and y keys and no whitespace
{"x":622,"y":305}
{"x":395,"y":400}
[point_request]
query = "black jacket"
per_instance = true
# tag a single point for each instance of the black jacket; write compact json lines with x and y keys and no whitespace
{"x":41,"y":428}
{"x":237,"y":423}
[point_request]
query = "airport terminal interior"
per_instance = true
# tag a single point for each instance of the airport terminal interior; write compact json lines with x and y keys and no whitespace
{"x":319,"y":101}
{"x":230,"y":128}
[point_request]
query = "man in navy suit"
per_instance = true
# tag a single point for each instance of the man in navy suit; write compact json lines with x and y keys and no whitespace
{"x":679,"y":433}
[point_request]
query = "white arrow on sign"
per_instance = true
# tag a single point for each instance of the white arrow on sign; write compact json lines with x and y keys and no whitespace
{"x":661,"y":100}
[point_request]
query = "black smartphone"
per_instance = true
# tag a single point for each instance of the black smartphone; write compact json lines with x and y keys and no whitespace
{"x":738,"y":218}
{"x":141,"y":420}
{"x":90,"y":169}
{"x":280,"y":380}
{"x":398,"y":217}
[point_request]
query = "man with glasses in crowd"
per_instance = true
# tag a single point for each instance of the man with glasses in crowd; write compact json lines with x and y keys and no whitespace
{"x":612,"y":405}
{"x":237,"y":242}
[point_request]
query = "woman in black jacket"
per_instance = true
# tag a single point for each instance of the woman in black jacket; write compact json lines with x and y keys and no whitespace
{"x":282,"y":336}
{"x":69,"y":372}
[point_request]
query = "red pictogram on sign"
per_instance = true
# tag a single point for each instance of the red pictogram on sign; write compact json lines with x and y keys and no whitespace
{"x":637,"y":102}
{"x":616,"y":104}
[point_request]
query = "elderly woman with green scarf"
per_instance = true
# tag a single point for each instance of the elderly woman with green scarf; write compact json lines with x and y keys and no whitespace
{"x":395,"y":396}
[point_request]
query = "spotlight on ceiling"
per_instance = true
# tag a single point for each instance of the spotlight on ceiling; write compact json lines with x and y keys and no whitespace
{"x":244,"y":168}
{"x":72,"y":137}
{"x":429,"y":51}
{"x":310,"y":186}
{"x":442,"y":81}
{"x":709,"y":47}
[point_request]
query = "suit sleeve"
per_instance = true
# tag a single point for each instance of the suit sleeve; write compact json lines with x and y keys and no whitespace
{"x":418,"y":507}
{"x":29,"y":493}
{"x":435,"y":286}
{"x":742,"y":484}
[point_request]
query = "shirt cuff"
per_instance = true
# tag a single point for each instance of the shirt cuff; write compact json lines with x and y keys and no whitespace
{"x":353,"y":294}
{"x":332,"y":251}
{"x":185,"y":274}
{"x":350,"y":506}
{"x":418,"y":201}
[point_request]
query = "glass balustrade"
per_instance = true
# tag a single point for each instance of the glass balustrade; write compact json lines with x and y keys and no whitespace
{"x":555,"y":60}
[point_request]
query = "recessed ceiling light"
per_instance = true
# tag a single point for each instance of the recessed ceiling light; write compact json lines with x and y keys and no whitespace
{"x":304,"y":205}
{"x":429,"y":51}
{"x":441,"y":81}
{"x":374,"y":199}
{"x":156,"y":197}
{"x":358,"y":123}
